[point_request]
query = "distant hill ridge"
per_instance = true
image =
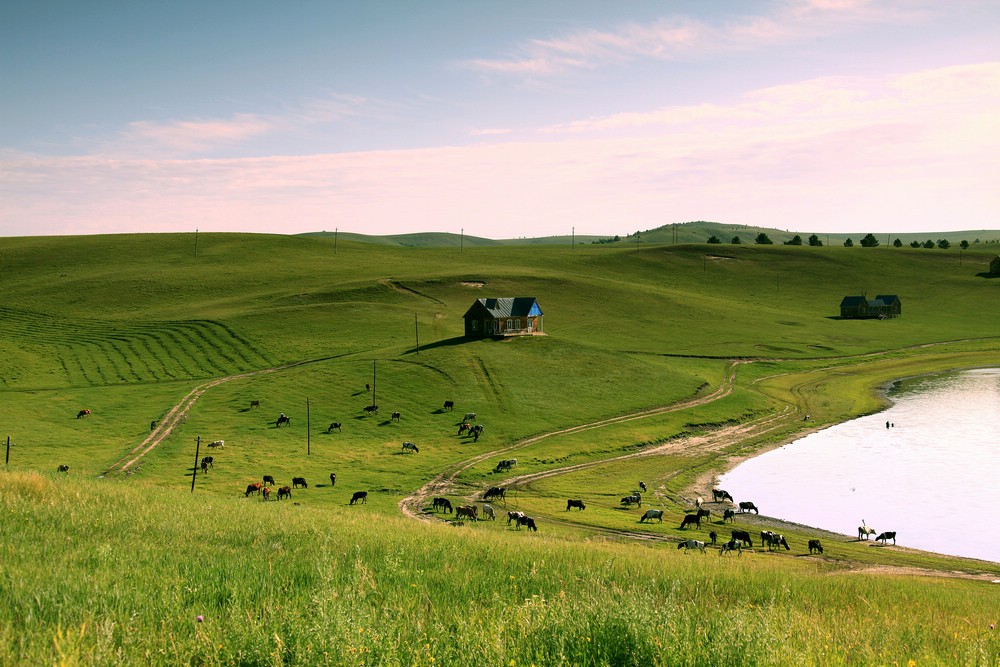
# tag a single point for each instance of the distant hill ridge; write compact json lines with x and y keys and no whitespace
{"x":684,"y":232}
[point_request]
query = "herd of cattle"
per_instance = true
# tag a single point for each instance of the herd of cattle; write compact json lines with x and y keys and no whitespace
{"x":738,"y":538}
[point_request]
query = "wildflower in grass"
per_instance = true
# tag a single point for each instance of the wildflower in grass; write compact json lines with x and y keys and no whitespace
{"x":199,"y":618}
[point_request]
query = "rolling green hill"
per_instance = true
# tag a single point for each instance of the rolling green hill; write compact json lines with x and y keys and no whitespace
{"x":660,"y":362}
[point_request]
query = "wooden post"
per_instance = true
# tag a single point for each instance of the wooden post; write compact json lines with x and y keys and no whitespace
{"x":197,"y":447}
{"x":8,"y":451}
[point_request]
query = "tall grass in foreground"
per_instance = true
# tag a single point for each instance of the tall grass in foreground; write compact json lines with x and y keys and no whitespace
{"x":98,"y":573}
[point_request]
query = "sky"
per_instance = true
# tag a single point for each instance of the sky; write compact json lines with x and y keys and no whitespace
{"x":498,"y":119}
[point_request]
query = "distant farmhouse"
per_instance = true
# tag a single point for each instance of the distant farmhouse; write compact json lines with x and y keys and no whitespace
{"x":995,"y":266}
{"x":517,"y":316}
{"x":882,"y":306}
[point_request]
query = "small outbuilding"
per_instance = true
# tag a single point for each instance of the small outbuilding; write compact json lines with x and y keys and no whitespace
{"x":860,"y":307}
{"x":506,"y":316}
{"x":995,"y":266}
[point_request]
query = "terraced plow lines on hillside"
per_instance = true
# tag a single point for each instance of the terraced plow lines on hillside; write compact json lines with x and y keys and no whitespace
{"x":99,"y":352}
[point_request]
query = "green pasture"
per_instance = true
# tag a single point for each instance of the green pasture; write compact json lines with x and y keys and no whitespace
{"x":658,"y":342}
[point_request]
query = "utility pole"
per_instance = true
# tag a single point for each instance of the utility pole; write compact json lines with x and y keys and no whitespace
{"x":461,"y":241}
{"x":195,"y":242}
{"x":374,"y":402}
{"x":335,"y":230}
{"x":416,"y":332}
{"x":307,"y":426}
{"x":197,"y":446}
{"x":8,"y":451}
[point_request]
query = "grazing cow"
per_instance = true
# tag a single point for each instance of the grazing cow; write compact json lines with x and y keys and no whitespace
{"x":729,"y":515}
{"x":464,"y":426}
{"x":152,"y":425}
{"x":210,"y":460}
{"x":442,"y":504}
{"x":477,"y":431}
{"x":742,"y":536}
{"x":692,"y":544}
{"x":284,"y":491}
{"x":888,"y":535}
{"x":470,"y":511}
{"x":629,"y":500}
{"x":488,"y":511}
{"x":371,"y":409}
{"x":407,"y":446}
{"x":689,"y":519}
{"x":704,"y":514}
{"x":299,"y":481}
{"x":359,"y":495}
{"x":713,"y":537}
{"x":204,"y":465}
{"x":469,"y":417}
{"x":253,"y":488}
{"x":575,"y":503}
{"x":254,"y":404}
{"x":516,"y":518}
{"x":652,"y":514}
{"x":269,"y":479}
{"x":529,"y":522}
{"x":333,"y":479}
{"x":642,"y":485}
{"x":495,"y":492}
{"x":368,"y":387}
{"x":63,"y":468}
{"x":283,"y":420}
{"x":449,"y":405}
{"x":718,"y":495}
{"x":218,"y":444}
{"x":266,"y":492}
{"x":83,"y":413}
{"x":730,"y":546}
{"x":864,"y":531}
{"x":773,"y":540}
{"x":334,"y":426}
{"x":747,"y":506}
{"x":506,"y":464}
{"x":814,"y":545}
{"x":396,"y":416}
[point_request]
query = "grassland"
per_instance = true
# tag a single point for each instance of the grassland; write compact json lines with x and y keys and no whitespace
{"x":660,"y":363}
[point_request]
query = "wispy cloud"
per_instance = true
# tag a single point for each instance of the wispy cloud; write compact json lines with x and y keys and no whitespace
{"x":874,"y":153}
{"x":679,"y":36}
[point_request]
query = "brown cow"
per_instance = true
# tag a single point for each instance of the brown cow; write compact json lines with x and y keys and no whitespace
{"x":83,"y":413}
{"x":284,"y":491}
{"x":253,"y":488}
{"x":267,"y":493}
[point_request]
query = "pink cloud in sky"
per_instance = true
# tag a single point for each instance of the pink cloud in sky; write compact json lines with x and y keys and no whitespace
{"x":830,"y":154}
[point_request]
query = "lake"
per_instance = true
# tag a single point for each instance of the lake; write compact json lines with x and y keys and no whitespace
{"x":931,"y":476}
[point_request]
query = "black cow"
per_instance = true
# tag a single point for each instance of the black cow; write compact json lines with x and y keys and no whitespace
{"x":333,"y":479}
{"x":333,"y":426}
{"x":747,"y":506}
{"x":64,"y":468}
{"x":359,"y":495}
{"x":371,"y":409}
{"x":729,"y":515}
{"x":575,"y":503}
{"x":814,"y":545}
{"x":396,"y":416}
{"x":269,"y":479}
{"x":495,"y":492}
{"x":442,"y":504}
{"x":888,"y":535}
{"x":689,"y":519}
{"x":210,"y":460}
{"x":449,"y":405}
{"x":283,"y":420}
{"x":299,"y":481}
{"x":742,"y":536}
{"x":529,"y":522}
{"x":718,"y":495}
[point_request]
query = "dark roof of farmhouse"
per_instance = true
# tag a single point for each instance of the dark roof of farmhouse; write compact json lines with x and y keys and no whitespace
{"x":880,"y":300}
{"x":508,"y":306}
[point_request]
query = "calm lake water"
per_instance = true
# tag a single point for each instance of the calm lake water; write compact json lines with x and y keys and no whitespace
{"x":932,"y":477}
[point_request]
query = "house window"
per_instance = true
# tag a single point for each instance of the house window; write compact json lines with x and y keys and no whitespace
{"x":517,"y":324}
{"x":474,"y":324}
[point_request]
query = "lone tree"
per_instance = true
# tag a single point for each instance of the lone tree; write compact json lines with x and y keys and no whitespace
{"x":795,"y":240}
{"x":762,"y":239}
{"x":944,"y":244}
{"x":848,"y":243}
{"x":964,"y":244}
{"x":714,"y":239}
{"x":898,"y":244}
{"x":869,"y":241}
{"x":736,"y":240}
{"x":814,"y":241}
